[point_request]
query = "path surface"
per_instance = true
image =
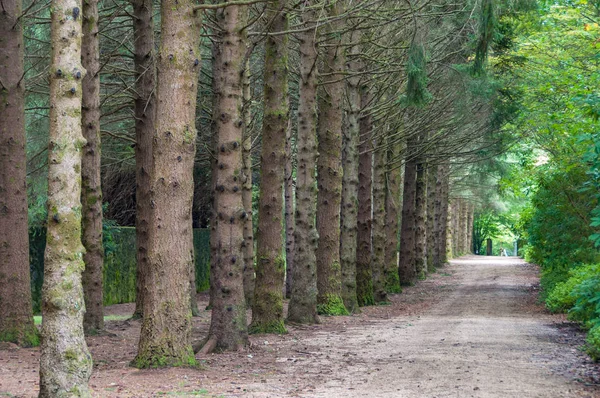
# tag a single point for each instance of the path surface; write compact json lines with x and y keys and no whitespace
{"x":473,"y":329}
{"x":481,"y":340}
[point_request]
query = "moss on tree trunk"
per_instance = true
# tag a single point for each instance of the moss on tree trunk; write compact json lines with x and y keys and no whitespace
{"x":228,"y":327}
{"x":91,"y":191}
{"x":392,"y":208}
{"x":267,"y":308}
{"x":406,"y":267}
{"x":144,"y":108}
{"x":329,"y":169}
{"x":65,"y":362}
{"x":303,"y":301}
{"x":379,"y":216}
{"x":16,"y":320}
{"x":349,"y":206}
{"x":165,"y":338}
{"x":364,"y":275}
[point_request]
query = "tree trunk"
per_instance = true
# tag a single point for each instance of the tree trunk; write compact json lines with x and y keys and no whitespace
{"x":464,"y":230}
{"x":145,"y":105}
{"x":329,"y":171}
{"x":145,"y":102}
{"x":421,"y":217}
{"x":303,"y":303}
{"x":91,"y":191}
{"x":455,"y":208}
{"x":165,"y":338}
{"x":471,"y":209}
{"x":65,"y":362}
{"x":431,"y":235}
{"x":349,"y":206}
{"x":16,"y":321}
{"x":247,"y":191}
{"x":438,"y":226}
{"x":446,"y":233}
{"x":289,"y":211}
{"x":364,"y":274}
{"x":379,"y":216}
{"x":267,"y":309}
{"x":392,"y":207}
{"x":406,"y":268}
{"x":488,"y":248}
{"x":228,"y":328}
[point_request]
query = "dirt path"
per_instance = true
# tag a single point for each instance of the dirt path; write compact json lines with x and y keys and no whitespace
{"x":474,"y":329}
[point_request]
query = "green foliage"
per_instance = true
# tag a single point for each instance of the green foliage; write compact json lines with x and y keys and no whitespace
{"x":593,"y":343}
{"x":333,"y":305}
{"x":416,"y":69}
{"x":562,"y":298}
{"x":119,"y":272}
{"x":485,"y":226}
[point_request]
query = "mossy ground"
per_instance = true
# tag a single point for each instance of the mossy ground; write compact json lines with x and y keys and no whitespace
{"x":275,"y":327}
{"x":333,"y":305}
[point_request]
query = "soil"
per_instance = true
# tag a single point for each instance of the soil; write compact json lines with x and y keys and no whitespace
{"x":473,"y":329}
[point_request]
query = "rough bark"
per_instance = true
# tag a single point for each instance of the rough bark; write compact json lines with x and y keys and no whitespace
{"x":379,"y":216}
{"x":421,"y":217}
{"x":406,"y":268}
{"x":228,"y":328}
{"x":349,"y":206}
{"x":267,"y":308}
{"x":329,"y":170}
{"x":446,"y":233}
{"x":16,"y":321}
{"x":289,"y":211}
{"x":430,"y":230}
{"x":247,"y":191}
{"x":392,"y":208}
{"x":91,"y":191}
{"x":462,"y":226}
{"x":438,"y":225}
{"x":65,"y":362}
{"x":145,"y":105}
{"x":303,"y":303}
{"x":364,"y":274}
{"x":469,"y":240}
{"x":165,"y":338}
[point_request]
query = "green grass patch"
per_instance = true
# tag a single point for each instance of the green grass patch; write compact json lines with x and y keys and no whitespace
{"x":37,"y":319}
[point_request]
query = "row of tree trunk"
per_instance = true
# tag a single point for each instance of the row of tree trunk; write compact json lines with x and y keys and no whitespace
{"x":351,"y":209}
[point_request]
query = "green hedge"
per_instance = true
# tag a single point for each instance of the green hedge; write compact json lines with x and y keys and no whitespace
{"x":119,"y":263}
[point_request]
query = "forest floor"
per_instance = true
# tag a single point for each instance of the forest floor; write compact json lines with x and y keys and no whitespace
{"x":473,"y":329}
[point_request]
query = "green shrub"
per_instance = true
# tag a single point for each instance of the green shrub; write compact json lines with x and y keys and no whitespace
{"x":561,"y":298}
{"x":587,"y":300}
{"x":593,"y":343}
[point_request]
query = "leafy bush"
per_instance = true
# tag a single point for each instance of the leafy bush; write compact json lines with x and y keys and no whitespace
{"x":561,"y":297}
{"x":593,"y":343}
{"x":587,"y":301}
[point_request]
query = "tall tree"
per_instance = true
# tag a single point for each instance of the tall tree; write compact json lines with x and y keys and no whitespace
{"x":228,"y":327}
{"x":288,"y":190}
{"x":267,"y":308}
{"x":165,"y":338}
{"x":431,"y":238}
{"x":144,"y":110}
{"x":16,"y":320}
{"x":91,"y":191}
{"x":392,"y":208}
{"x":379,"y":216}
{"x":406,"y":267}
{"x":303,"y":301}
{"x":349,"y":206}
{"x":65,"y":362}
{"x":364,"y":273}
{"x":421,"y":214}
{"x":247,"y":190}
{"x":445,"y":230}
{"x":329,"y":167}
